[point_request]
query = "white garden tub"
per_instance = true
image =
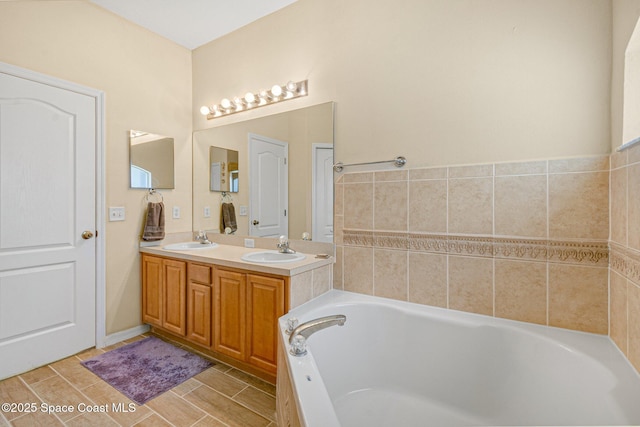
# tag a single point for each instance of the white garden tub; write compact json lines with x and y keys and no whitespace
{"x":400,"y":364}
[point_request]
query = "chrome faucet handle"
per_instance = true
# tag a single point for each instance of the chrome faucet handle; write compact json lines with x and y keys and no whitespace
{"x":202,"y":237}
{"x":298,"y":346}
{"x":292,"y":323}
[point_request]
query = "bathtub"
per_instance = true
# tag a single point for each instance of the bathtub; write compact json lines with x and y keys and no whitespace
{"x":400,"y":364}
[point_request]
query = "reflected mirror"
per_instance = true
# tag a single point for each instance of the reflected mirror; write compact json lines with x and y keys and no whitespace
{"x":151,"y":158}
{"x":223,"y":170}
{"x":289,"y":157}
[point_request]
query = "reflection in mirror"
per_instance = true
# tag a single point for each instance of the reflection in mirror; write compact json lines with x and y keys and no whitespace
{"x":223,"y":170}
{"x":310,"y":180}
{"x":151,"y":160}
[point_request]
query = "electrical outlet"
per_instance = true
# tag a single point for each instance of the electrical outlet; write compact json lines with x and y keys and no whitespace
{"x":207,"y":212}
{"x":176,"y":212}
{"x":249,"y":243}
{"x":116,"y":213}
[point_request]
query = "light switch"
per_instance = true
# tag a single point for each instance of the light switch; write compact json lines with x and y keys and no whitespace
{"x":116,"y":213}
{"x":243,"y":211}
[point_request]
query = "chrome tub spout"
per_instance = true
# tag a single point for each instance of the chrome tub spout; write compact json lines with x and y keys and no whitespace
{"x":298,"y":337}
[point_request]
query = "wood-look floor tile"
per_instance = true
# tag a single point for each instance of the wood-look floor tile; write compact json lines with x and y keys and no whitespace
{"x":175,"y":409}
{"x":186,"y":387}
{"x":91,"y":419}
{"x":225,"y":409}
{"x":75,"y":373}
{"x":156,"y":421}
{"x":13,"y":390}
{"x":103,"y":394}
{"x":258,"y":401}
{"x":209,"y":421}
{"x":254,"y":381}
{"x":55,"y":391}
{"x":88,"y":354}
{"x":38,"y":374}
{"x":34,"y":419}
{"x":220,"y":382}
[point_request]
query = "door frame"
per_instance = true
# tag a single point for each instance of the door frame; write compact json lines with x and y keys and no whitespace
{"x":314,"y":185}
{"x":100,"y":201}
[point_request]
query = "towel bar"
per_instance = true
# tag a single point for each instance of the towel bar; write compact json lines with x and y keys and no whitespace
{"x":398,"y":162}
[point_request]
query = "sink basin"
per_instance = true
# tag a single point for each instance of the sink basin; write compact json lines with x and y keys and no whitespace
{"x":189,"y":246}
{"x":269,"y":257}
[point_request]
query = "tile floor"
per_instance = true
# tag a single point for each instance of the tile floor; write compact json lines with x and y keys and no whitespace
{"x":219,"y":396}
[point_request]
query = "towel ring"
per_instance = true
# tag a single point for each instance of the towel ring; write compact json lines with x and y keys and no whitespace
{"x":153,"y":192}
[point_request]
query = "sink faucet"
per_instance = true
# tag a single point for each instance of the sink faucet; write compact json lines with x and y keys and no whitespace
{"x":284,"y":246}
{"x":202,"y":237}
{"x":299,"y":335}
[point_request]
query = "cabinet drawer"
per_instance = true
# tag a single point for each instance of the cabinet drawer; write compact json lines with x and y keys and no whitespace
{"x":200,"y":273}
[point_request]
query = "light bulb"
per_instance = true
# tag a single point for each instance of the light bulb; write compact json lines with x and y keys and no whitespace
{"x":204,"y":110}
{"x":225,"y":103}
{"x":276,"y":91}
{"x":291,"y":86}
{"x":250,"y":98}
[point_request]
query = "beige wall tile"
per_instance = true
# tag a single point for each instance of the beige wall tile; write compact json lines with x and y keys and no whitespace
{"x":381,"y":176}
{"x":471,"y":171}
{"x":428,"y":206}
{"x":521,"y":206}
{"x":338,"y":229}
{"x":618,"y":310}
{"x":390,"y":206}
{"x":578,"y":298}
{"x":301,"y":288}
{"x":338,"y":268}
{"x":633,"y":200}
{"x":390,"y":274}
{"x":357,"y":177}
{"x":358,"y":206}
{"x":618,"y":208}
{"x":471,"y":284}
{"x":585,"y":164}
{"x":521,"y":291}
{"x":634,"y":325}
{"x":470,"y":206}
{"x":634,"y":154}
{"x":338,"y":199}
{"x":428,"y":173}
{"x":358,"y":269}
{"x":521,"y":168}
{"x":579,"y":205}
{"x":618,"y":159}
{"x":321,"y":280}
{"x":428,"y":279}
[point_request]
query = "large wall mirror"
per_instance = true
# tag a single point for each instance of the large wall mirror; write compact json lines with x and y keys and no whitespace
{"x":284,"y":179}
{"x":151,"y":160}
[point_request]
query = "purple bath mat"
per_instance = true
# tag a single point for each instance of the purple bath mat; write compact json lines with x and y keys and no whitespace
{"x":147,"y":368}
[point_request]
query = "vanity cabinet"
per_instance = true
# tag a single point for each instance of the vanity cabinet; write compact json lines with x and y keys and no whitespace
{"x":246,"y":311}
{"x":164,"y":293}
{"x":228,"y":312}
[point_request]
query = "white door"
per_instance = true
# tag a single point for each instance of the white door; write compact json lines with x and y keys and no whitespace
{"x":268,"y":187}
{"x":322,"y":193}
{"x":47,"y":201}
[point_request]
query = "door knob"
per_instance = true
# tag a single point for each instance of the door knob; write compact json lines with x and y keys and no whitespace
{"x":255,"y":222}
{"x":86,"y":235}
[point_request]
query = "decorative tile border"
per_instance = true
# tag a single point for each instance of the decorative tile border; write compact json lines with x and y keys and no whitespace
{"x":573,"y":252}
{"x":625,"y":262}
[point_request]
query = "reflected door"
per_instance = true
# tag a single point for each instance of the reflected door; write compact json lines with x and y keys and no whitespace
{"x":322,"y":215}
{"x":47,"y":223}
{"x":268,"y":187}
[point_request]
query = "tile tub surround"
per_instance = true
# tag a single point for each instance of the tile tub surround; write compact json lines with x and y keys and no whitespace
{"x":624,"y":272}
{"x":525,"y":241}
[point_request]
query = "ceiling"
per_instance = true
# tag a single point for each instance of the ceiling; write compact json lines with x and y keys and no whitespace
{"x":192,"y":23}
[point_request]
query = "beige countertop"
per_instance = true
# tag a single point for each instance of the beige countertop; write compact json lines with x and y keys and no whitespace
{"x":229,"y":256}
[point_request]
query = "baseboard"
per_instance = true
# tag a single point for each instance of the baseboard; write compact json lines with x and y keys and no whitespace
{"x":123,"y":335}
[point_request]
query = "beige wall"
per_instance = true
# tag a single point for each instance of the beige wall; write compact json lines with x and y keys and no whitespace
{"x":440,"y":82}
{"x":147,"y":82}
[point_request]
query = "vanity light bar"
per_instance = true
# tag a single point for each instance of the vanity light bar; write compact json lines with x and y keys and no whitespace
{"x":227,"y":106}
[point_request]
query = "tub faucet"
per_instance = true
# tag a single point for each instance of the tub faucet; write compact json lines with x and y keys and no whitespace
{"x":283,"y":246}
{"x":202,"y":237}
{"x":298,"y":337}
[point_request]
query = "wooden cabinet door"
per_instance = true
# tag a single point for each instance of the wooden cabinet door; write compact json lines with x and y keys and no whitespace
{"x":152,"y":290}
{"x":230,"y":313}
{"x":265,"y":304}
{"x":175,"y":293}
{"x":199,"y":304}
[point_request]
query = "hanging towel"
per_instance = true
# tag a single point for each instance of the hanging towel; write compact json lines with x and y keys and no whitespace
{"x":228,"y":218}
{"x":154,"y":224}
